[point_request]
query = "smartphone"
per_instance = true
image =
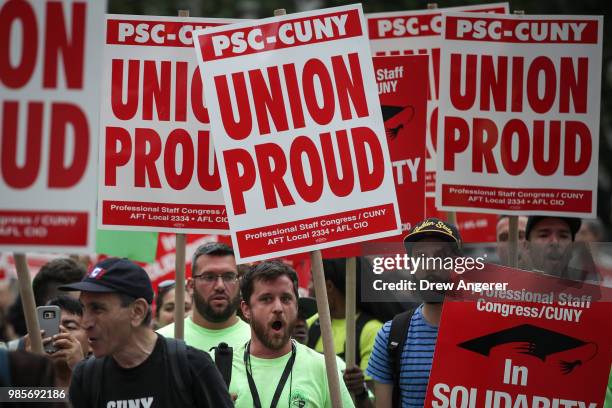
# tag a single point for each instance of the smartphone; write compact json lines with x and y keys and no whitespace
{"x":49,"y":320}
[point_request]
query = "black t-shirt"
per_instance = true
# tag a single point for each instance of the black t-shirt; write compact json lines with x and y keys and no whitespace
{"x":149,"y":385}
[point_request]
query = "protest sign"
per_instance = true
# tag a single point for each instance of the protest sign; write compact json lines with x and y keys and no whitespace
{"x":49,"y":103}
{"x":538,"y":342}
{"x":519,"y":123}
{"x":298,"y":132}
{"x":403,"y":99}
{"x":158,"y":169}
{"x":418,"y":32}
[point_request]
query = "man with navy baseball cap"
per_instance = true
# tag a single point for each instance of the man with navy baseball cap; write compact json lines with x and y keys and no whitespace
{"x":133,"y":363}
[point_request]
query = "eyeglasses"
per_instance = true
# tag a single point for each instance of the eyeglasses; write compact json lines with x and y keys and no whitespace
{"x":209,"y":278}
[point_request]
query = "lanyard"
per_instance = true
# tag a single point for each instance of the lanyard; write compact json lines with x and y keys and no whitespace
{"x":281,"y":383}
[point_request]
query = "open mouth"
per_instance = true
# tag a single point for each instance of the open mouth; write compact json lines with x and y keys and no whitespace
{"x":277,"y":325}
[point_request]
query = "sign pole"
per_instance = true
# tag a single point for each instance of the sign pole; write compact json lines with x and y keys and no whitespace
{"x":351,"y":310}
{"x":29,"y":305}
{"x":326,"y":334}
{"x":513,"y":220}
{"x":179,"y":289}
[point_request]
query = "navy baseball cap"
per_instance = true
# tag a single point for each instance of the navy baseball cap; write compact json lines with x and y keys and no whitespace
{"x":114,"y":275}
{"x":433,"y":228}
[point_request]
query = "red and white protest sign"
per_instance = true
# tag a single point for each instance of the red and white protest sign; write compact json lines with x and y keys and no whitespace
{"x":536,"y":343}
{"x":298,"y":132}
{"x":519,"y":122}
{"x":403,"y":101}
{"x":418,"y":32}
{"x":158,"y":169}
{"x":49,"y":107}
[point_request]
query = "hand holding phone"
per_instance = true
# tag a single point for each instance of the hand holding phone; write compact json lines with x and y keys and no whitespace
{"x":49,"y":318}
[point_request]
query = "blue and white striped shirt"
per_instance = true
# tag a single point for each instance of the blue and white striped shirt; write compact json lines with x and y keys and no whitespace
{"x":415,"y":359}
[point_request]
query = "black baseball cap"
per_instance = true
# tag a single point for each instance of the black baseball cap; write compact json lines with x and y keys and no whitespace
{"x":115,"y":275}
{"x":572,"y":223}
{"x":433,"y":228}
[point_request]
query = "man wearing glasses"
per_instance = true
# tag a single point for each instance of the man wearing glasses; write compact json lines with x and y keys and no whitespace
{"x":216,"y":297}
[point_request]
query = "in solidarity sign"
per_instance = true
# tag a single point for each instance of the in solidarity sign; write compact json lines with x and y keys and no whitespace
{"x":298,"y":132}
{"x":519,"y":123}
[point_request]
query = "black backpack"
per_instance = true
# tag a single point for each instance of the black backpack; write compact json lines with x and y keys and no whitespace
{"x":314,"y":333}
{"x":397,"y":338}
{"x":179,"y":374}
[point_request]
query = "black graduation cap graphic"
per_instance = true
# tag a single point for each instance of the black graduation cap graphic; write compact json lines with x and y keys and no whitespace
{"x":395,"y":118}
{"x":535,"y":341}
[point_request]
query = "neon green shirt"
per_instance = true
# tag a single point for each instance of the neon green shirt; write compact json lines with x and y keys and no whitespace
{"x":205,"y":339}
{"x":307,"y":382}
{"x":366,"y":340}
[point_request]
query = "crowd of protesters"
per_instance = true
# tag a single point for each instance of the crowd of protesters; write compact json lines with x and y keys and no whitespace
{"x":250,"y":340}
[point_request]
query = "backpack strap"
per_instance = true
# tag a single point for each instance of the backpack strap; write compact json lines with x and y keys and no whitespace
{"x":5,"y":369}
{"x":314,"y":333}
{"x":223,"y":361}
{"x":397,"y":338}
{"x":180,"y":374}
{"x":92,"y":371}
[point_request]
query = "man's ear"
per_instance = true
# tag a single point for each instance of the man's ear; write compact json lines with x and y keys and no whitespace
{"x":246,"y":310}
{"x":140,"y":307}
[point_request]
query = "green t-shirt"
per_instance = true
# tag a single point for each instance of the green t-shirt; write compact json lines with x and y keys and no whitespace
{"x":307,"y":382}
{"x":205,"y":339}
{"x":366,"y":340}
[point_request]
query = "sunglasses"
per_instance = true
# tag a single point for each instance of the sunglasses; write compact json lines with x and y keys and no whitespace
{"x":167,"y":284}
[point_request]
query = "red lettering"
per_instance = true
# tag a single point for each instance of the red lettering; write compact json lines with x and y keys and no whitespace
{"x":62,"y":116}
{"x":241,"y":171}
{"x":456,"y":139}
{"x":457,"y":75}
{"x":207,"y":163}
{"x":176,"y":180}
{"x":73,"y":50}
{"x":14,"y":175}
{"x":368,"y":180}
{"x":572,"y":85}
{"x":115,"y":156}
{"x":515,"y":127}
{"x":341,"y":187}
{"x":11,"y":12}
{"x":240,"y":129}
{"x":542,"y":166}
{"x":482,"y":151}
{"x":577,"y":132}
{"x":147,"y":151}
{"x":295,"y":99}
{"x":197,"y":98}
{"x":493,"y":84}
{"x":541,"y":65}
{"x":272,"y":166}
{"x":517,"y":83}
{"x":324,"y":114}
{"x":127,"y":110}
{"x":180,"y":97}
{"x":156,"y":89}
{"x":349,"y":86}
{"x":268,"y":99}
{"x":300,"y":146}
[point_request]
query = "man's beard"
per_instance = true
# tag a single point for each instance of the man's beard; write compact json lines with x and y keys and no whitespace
{"x":263,"y":334}
{"x":209,"y":313}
